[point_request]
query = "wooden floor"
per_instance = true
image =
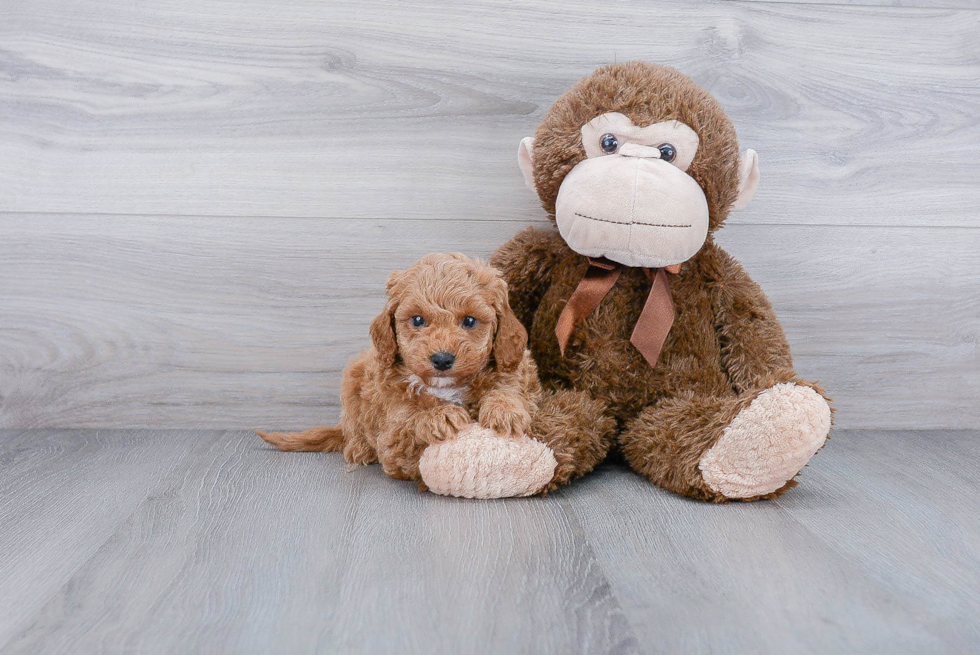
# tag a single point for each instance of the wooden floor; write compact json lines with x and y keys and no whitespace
{"x":210,"y":542}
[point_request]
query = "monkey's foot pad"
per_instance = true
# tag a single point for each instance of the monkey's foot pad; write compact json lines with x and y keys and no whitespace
{"x":478,"y":463}
{"x":768,"y":442}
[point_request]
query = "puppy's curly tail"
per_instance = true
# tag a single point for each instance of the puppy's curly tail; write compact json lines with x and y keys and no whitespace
{"x":318,"y":439}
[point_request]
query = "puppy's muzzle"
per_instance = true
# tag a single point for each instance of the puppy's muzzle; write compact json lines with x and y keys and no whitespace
{"x":442,"y":361}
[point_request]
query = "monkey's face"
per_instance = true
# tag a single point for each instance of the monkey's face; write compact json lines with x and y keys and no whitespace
{"x":631,"y":200}
{"x":638,"y":165}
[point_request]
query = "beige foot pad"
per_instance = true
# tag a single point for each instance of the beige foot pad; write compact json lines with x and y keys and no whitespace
{"x":480,"y":464}
{"x":768,"y":442}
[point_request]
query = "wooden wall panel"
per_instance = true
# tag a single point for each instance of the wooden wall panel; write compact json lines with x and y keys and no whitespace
{"x":199,"y":201}
{"x":373,"y":109}
{"x":221,"y":322}
{"x":910,"y":4}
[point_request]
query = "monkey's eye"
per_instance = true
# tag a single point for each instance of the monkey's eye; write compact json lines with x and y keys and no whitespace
{"x":469,"y":322}
{"x":668,"y":152}
{"x":418,"y":321}
{"x":609,"y":143}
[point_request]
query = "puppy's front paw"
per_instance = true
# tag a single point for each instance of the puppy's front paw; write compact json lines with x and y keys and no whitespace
{"x":442,"y":424}
{"x":509,"y":420}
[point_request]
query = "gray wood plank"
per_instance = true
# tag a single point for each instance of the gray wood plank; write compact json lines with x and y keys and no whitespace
{"x":250,"y":550}
{"x":887,"y":319}
{"x":220,"y":322}
{"x":62,"y":495}
{"x":236,"y":547}
{"x":903,"y":507}
{"x":196,"y":321}
{"x":453,"y":575}
{"x":914,"y":4}
{"x":742,"y":578}
{"x":862,"y":115}
{"x":240,"y":551}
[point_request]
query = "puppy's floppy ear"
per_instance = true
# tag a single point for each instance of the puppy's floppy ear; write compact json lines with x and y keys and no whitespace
{"x":510,"y":340}
{"x":383,"y":326}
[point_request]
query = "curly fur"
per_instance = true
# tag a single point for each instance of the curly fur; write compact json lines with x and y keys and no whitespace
{"x":395,"y":403}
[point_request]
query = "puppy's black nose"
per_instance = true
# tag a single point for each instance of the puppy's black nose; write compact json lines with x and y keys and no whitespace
{"x":442,"y":361}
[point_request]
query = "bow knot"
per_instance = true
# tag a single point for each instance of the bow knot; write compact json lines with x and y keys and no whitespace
{"x":651,"y":327}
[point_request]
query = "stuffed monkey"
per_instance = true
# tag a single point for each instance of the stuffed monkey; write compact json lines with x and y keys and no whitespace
{"x":654,"y":338}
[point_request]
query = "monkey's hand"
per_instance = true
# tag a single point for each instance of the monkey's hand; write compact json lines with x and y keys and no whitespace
{"x":479,"y":464}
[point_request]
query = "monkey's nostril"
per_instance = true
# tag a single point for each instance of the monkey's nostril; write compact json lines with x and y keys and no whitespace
{"x":443,"y":361}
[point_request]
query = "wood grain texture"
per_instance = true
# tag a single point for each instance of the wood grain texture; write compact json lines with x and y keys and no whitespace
{"x":230,"y":546}
{"x":449,"y":575}
{"x":373,"y":109}
{"x":249,"y":550}
{"x":241,"y":551}
{"x":206,"y":321}
{"x":62,"y":494}
{"x":874,"y":552}
{"x":199,"y":202}
{"x":912,"y":4}
{"x":696,"y":578}
{"x":905,"y":528}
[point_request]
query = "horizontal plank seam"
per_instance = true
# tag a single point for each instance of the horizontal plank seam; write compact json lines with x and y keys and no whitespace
{"x":261,"y":216}
{"x":406,"y":219}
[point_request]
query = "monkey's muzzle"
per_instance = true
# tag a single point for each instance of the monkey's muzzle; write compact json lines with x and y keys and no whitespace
{"x":636,"y":211}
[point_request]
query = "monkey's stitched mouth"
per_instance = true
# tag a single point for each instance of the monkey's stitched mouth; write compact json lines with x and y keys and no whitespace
{"x":606,"y":220}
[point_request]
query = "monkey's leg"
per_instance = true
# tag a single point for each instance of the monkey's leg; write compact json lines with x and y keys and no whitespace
{"x":570,"y":434}
{"x":577,"y":429}
{"x":742,"y":447}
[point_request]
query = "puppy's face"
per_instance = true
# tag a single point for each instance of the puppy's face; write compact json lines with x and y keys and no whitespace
{"x":445,"y":334}
{"x":447,"y":318}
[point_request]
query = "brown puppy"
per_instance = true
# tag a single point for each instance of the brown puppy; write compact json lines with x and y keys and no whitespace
{"x":447,"y":350}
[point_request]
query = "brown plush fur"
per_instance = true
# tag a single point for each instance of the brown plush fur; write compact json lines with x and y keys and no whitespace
{"x":646,"y":94}
{"x":387,"y":415}
{"x":726,"y":345}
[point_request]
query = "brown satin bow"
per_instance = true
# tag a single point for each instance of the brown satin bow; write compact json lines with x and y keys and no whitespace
{"x":651,"y":327}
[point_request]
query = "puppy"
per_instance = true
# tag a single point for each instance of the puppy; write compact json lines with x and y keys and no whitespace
{"x":447,"y":351}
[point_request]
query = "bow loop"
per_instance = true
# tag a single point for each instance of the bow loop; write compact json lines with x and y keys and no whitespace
{"x":654,"y":323}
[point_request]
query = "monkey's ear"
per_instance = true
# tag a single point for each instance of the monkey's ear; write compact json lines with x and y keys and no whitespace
{"x":524,"y":160}
{"x":748,"y":179}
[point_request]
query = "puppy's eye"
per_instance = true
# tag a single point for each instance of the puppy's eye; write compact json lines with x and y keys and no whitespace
{"x":668,"y":152}
{"x":469,"y":322}
{"x":609,"y":143}
{"x":418,"y":321}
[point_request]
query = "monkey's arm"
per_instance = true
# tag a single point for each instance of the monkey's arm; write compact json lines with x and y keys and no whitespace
{"x":526,"y":262}
{"x":754,"y":350}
